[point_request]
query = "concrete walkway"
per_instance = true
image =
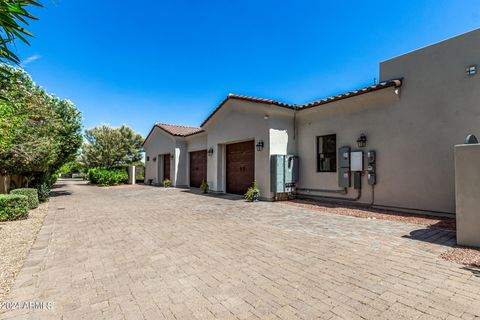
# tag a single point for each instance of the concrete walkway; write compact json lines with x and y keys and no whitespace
{"x":138,"y":252}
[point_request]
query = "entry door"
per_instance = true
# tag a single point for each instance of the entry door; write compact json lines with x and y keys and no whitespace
{"x":166,"y":166}
{"x":240,"y":166}
{"x":198,"y":168}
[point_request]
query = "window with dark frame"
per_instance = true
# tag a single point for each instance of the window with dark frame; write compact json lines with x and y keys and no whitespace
{"x":327,"y":153}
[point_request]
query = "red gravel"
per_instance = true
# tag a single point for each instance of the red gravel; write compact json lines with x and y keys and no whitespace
{"x":419,"y":219}
{"x":463,"y":255}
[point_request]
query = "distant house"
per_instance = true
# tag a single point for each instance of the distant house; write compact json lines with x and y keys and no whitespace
{"x":425,"y":102}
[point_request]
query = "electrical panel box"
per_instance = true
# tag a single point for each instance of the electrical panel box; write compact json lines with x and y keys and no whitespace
{"x":344,"y":157}
{"x":357,"y":180}
{"x":344,"y":167}
{"x":291,"y":172}
{"x":344,"y":177}
{"x":283,"y":173}
{"x":372,"y":167}
{"x":356,"y":161}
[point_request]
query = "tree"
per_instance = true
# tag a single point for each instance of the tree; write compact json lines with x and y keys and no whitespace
{"x":13,"y":15}
{"x":38,"y":132}
{"x":108,"y":147}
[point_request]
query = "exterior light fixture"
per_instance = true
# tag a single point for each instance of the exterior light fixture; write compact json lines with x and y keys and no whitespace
{"x":172,"y":156}
{"x":259,"y":145}
{"x":471,"y":139}
{"x":154,"y":159}
{"x":210,"y":152}
{"x":471,"y":70}
{"x":362,"y":141}
{"x":266,"y":117}
{"x":148,"y":158}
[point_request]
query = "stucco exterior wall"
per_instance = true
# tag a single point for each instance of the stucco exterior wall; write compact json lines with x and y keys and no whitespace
{"x":414,"y":132}
{"x":467,"y":176}
{"x":158,"y":144}
{"x":438,"y":107}
{"x":196,"y":142}
{"x":239,"y":121}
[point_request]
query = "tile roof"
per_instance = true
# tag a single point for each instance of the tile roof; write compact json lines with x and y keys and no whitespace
{"x":174,"y":130}
{"x":382,"y":85}
{"x":386,"y":84}
{"x":179,"y":131}
{"x":184,"y":131}
{"x":246,"y":98}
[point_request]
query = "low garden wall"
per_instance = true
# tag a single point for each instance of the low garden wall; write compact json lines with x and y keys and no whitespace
{"x":467,"y":189}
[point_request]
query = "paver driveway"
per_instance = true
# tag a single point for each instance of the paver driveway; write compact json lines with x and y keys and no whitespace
{"x":138,"y":252}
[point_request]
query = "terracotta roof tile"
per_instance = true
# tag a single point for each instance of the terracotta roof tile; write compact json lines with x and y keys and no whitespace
{"x":176,"y":130}
{"x":386,"y":84}
{"x":382,"y":85}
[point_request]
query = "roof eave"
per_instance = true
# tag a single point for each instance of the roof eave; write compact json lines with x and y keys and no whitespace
{"x":396,"y":83}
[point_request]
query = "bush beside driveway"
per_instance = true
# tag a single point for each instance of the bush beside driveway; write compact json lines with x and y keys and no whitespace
{"x":16,"y":239}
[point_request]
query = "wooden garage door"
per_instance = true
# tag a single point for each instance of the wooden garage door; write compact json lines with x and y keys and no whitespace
{"x":166,"y":166}
{"x":198,"y":168}
{"x":240,"y":166}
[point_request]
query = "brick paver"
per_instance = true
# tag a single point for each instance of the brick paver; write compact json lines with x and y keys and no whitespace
{"x":138,"y":252}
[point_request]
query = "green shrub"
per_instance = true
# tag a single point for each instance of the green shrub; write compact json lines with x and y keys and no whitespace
{"x":107,"y":177}
{"x":253,"y":193}
{"x":30,"y":193}
{"x":167,"y":183}
{"x":13,"y":207}
{"x":204,"y":187}
{"x":43,"y":192}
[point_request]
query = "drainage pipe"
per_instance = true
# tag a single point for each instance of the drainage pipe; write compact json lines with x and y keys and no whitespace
{"x":359,"y":194}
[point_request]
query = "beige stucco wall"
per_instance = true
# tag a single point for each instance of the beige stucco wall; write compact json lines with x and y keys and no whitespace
{"x":467,"y":177}
{"x":414,"y":132}
{"x":369,"y":114}
{"x":240,"y":121}
{"x":197,"y":142}
{"x":159,"y":143}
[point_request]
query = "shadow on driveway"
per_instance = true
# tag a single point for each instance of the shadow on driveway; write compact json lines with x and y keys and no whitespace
{"x":434,"y":235}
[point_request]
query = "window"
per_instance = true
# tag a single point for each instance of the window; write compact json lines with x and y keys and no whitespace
{"x":327,"y":153}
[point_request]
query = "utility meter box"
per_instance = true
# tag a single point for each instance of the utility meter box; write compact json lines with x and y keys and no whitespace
{"x":283,"y":173}
{"x":356,"y":161}
{"x":344,"y":167}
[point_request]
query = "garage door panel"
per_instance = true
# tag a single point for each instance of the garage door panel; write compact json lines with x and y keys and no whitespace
{"x":198,"y":168}
{"x":166,"y":166}
{"x":240,"y":166}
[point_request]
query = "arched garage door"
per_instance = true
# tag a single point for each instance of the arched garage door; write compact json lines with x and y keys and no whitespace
{"x":240,"y":166}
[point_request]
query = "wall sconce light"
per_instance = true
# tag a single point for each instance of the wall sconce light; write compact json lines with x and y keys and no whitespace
{"x":471,"y":70}
{"x":266,"y":117}
{"x":259,"y":145}
{"x":210,"y":152}
{"x":362,"y":141}
{"x":148,"y":158}
{"x":172,"y":156}
{"x":154,"y":159}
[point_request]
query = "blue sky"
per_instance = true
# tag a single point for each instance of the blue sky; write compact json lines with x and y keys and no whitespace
{"x":174,"y":61}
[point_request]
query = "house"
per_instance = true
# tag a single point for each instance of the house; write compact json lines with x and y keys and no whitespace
{"x":425,"y":103}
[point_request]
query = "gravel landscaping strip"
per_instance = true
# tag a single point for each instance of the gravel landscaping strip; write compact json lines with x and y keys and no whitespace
{"x":463,"y":255}
{"x":16,"y":239}
{"x":424,"y":220}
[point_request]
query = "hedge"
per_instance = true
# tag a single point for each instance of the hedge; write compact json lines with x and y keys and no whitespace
{"x":13,"y":207}
{"x":107,"y":177}
{"x":30,"y":193}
